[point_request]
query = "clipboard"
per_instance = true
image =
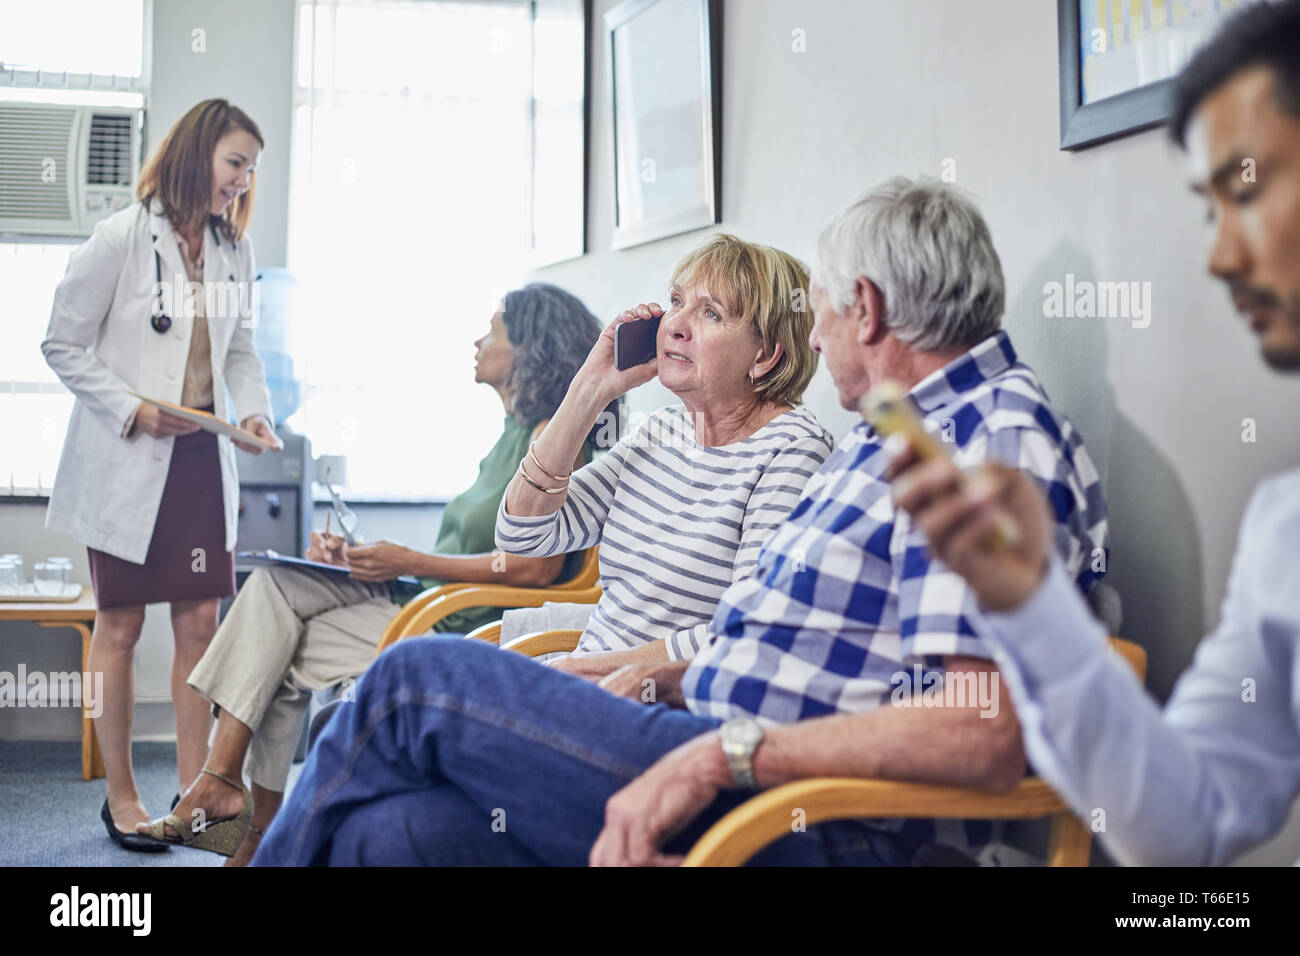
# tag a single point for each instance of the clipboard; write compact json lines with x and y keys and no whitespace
{"x":274,"y":558}
{"x":205,"y":420}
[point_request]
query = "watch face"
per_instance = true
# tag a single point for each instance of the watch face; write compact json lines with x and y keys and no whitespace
{"x":743,"y":732}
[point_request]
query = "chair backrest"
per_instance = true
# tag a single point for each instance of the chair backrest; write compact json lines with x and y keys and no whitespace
{"x":1133,"y":654}
{"x":587,"y":575}
{"x":1070,"y":843}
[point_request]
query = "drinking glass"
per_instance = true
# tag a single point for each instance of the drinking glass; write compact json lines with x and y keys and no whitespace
{"x":49,"y":578}
{"x":17,"y":561}
{"x":10,"y":580}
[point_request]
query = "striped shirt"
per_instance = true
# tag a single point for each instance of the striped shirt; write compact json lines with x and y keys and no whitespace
{"x":846,"y":597}
{"x":676,"y":522}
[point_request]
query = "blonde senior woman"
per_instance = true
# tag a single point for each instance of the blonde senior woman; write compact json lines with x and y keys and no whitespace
{"x":681,"y":506}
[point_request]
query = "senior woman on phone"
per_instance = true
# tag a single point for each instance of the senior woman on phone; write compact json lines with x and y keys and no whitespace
{"x":680,"y":507}
{"x":151,"y":496}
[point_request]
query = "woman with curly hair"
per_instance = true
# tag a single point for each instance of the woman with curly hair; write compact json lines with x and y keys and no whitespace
{"x":292,"y":631}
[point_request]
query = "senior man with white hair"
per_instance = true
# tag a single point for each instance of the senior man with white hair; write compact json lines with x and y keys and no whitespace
{"x":455,"y":752}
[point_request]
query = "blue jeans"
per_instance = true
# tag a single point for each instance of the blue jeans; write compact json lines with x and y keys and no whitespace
{"x":456,"y":752}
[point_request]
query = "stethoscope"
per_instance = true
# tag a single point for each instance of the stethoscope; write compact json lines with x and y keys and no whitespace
{"x":159,"y":319}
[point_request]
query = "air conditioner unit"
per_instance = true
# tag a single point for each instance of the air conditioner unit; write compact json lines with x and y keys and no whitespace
{"x":64,"y":168}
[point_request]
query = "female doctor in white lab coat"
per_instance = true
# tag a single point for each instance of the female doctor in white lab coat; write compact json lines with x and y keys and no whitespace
{"x":153,"y":497}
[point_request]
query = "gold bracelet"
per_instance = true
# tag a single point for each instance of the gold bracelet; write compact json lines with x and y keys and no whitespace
{"x":548,"y":491}
{"x":533,"y":455}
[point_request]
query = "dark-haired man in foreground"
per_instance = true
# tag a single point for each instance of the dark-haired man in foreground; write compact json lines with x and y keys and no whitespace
{"x":1216,"y":773}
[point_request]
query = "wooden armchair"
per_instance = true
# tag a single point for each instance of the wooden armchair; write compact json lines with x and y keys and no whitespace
{"x":765,"y":818}
{"x":431,"y":606}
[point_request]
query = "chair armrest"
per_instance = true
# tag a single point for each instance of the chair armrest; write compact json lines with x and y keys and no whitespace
{"x":544,"y":642}
{"x":491,"y":633}
{"x":768,"y":816}
{"x":433,"y":611}
{"x":413,"y":607}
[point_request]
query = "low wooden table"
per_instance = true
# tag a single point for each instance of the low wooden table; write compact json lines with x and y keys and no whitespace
{"x":80,"y":616}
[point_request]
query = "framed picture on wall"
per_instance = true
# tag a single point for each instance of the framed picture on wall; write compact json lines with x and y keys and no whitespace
{"x":665,"y":81}
{"x":559,"y":123}
{"x":1118,"y":59}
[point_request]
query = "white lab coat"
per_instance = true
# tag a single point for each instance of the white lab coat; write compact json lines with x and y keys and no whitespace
{"x":108,"y":488}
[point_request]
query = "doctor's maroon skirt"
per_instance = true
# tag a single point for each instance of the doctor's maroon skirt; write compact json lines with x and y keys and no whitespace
{"x":192,"y":516}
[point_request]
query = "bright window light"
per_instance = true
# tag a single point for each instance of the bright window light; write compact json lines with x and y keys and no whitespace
{"x":103,"y":38}
{"x":407,"y":222}
{"x":32,"y":94}
{"x":34,"y":405}
{"x":107,"y":40}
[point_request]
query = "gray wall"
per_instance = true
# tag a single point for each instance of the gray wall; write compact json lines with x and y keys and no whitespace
{"x":890,"y":87}
{"x":248,"y":60}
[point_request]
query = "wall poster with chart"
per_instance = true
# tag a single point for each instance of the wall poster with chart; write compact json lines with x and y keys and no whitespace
{"x":1118,"y":59}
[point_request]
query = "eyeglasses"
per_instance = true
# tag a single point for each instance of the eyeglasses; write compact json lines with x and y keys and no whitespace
{"x":347,"y":518}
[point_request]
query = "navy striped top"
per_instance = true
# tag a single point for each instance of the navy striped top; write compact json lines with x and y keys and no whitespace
{"x":677,"y":522}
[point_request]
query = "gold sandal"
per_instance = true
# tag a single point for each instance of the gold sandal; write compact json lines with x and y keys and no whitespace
{"x":218,"y":836}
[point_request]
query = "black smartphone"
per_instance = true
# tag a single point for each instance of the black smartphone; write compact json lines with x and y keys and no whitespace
{"x":635,"y":342}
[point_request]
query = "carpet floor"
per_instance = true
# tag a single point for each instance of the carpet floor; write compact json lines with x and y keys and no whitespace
{"x":49,"y":816}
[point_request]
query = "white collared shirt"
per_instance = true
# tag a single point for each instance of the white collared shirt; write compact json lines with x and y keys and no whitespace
{"x":1214,"y":774}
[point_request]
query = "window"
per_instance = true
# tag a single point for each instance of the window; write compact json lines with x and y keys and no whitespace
{"x":34,"y":405}
{"x":100,"y":63}
{"x":407,"y":222}
{"x":39,"y":47}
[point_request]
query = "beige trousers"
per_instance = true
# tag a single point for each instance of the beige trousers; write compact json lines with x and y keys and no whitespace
{"x":289,"y":632}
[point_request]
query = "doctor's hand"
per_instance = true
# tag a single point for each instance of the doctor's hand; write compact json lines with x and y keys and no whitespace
{"x":382,"y":561}
{"x":259,"y":426}
{"x":153,"y":421}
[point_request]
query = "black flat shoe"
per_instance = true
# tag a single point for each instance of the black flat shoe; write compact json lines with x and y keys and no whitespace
{"x":130,"y":841}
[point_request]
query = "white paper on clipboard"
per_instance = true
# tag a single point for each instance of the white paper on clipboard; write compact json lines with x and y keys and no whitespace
{"x":205,"y":420}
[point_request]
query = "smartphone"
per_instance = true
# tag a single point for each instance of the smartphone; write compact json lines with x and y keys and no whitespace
{"x":636,"y":342}
{"x":889,"y":411}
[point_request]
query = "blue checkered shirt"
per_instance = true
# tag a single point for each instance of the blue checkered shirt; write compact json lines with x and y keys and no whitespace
{"x":846,"y":595}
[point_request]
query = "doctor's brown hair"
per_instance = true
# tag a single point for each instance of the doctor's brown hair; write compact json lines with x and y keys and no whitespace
{"x":179,"y":174}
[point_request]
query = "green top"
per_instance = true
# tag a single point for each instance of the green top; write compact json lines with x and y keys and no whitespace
{"x":469,"y":521}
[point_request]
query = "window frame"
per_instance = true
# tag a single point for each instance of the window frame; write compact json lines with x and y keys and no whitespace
{"x":74,"y":89}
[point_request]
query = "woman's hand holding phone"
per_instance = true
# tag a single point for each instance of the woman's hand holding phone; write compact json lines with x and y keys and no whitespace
{"x":556,"y":451}
{"x":601,"y":373}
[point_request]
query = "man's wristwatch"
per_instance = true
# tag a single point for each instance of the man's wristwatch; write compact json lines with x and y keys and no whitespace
{"x":740,"y":738}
